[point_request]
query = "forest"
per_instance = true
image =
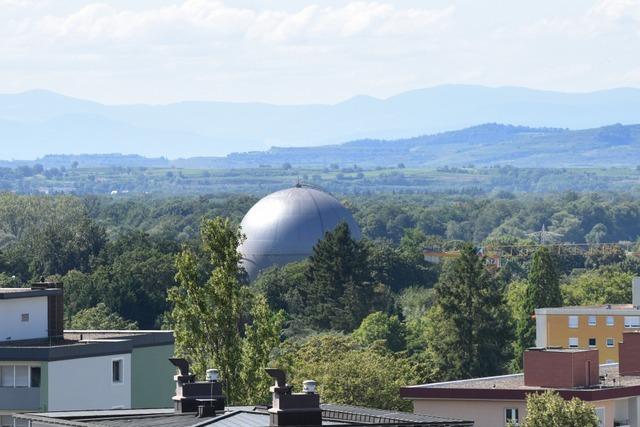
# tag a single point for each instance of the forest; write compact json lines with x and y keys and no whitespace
{"x":361,"y":317}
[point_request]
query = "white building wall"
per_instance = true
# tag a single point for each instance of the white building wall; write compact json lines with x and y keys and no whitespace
{"x":541,"y":330}
{"x":12,"y":326}
{"x":85,"y":384}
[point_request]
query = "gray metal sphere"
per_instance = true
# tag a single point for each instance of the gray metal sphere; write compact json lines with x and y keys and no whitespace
{"x":284,"y":227}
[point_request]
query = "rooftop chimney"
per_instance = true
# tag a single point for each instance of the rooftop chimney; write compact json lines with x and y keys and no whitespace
{"x":554,"y":368}
{"x":635,"y":290}
{"x":293,"y":409}
{"x":628,"y":350}
{"x":55,"y":307}
{"x":202,"y":397}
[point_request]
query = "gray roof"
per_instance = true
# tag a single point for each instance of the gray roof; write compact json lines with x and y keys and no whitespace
{"x":11,"y":293}
{"x":284,"y":226}
{"x":81,"y":344}
{"x":235,"y":417}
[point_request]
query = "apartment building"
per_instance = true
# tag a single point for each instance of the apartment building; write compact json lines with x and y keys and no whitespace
{"x":43,"y":367}
{"x":613,"y":389}
{"x":594,"y":327}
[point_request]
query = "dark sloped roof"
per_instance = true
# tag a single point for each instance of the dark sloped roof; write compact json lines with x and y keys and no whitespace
{"x":237,"y":417}
{"x":356,"y":414}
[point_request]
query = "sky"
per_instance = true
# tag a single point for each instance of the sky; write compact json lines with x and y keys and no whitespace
{"x":312,"y":51}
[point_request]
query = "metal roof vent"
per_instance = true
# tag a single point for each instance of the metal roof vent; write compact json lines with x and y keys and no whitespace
{"x":309,"y":386}
{"x":293,"y":409}
{"x":202,"y":397}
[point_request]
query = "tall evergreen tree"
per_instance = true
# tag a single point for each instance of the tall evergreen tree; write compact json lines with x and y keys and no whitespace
{"x":469,"y":322}
{"x":338,"y":293}
{"x":542,"y":290}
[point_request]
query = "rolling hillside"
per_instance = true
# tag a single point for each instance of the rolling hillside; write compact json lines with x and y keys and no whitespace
{"x":36,"y":123}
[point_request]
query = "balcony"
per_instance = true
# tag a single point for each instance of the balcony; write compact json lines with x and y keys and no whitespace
{"x":19,"y":398}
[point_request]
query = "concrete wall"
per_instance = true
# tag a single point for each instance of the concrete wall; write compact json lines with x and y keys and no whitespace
{"x":490,"y":413}
{"x":78,"y":384}
{"x":484,"y":413}
{"x":541,"y":330}
{"x":152,"y":384}
{"x":11,"y":325}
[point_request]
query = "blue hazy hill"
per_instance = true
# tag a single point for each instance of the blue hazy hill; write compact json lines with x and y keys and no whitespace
{"x":36,"y":123}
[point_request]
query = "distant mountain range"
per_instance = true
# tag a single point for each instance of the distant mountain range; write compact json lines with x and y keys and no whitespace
{"x":36,"y":123}
{"x":484,"y":145}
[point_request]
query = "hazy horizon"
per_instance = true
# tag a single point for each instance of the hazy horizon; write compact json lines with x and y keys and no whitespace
{"x":339,"y":101}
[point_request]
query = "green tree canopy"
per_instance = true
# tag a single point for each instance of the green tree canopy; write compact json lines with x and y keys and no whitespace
{"x":208,"y":316}
{"x":348,"y":373}
{"x":542,"y":290}
{"x":338,"y":292}
{"x":468,"y":325}
{"x":99,"y":318}
{"x":606,"y":285}
{"x":549,"y":409}
{"x":380,"y":326}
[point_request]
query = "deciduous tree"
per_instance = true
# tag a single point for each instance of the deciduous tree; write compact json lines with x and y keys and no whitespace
{"x":549,"y":409}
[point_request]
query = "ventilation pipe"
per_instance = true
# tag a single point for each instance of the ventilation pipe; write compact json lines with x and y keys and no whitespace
{"x":293,"y":409}
{"x":201,"y":397}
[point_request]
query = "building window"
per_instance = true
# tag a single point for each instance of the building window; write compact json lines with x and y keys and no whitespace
{"x":632,"y":321}
{"x":21,"y":423}
{"x":601,"y":416}
{"x":610,"y":321}
{"x":592,"y":342}
{"x":22,"y":376}
{"x":116,"y":371}
{"x":573,"y":342}
{"x":573,"y":322}
{"x":6,"y":376}
{"x":35,"y":376}
{"x":19,"y":376}
{"x":511,"y":415}
{"x":24,"y":317}
{"x":592,"y":321}
{"x":6,"y":421}
{"x":611,"y":342}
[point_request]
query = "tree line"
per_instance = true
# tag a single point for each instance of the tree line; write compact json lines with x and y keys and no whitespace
{"x":357,"y":316}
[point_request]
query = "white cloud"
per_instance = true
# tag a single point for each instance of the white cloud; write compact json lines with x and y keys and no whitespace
{"x":203,"y":21}
{"x":604,"y":17}
{"x":311,"y":50}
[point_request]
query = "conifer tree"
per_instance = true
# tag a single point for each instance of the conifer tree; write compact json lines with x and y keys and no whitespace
{"x":338,"y":294}
{"x":468,"y":323}
{"x":542,"y":290}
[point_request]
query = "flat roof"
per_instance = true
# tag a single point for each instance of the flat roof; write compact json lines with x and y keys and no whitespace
{"x":511,"y":387}
{"x":81,"y":344}
{"x":603,"y":310}
{"x":236,"y":416}
{"x":12,"y":293}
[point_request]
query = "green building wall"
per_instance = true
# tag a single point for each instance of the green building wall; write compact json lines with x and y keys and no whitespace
{"x":152,"y":384}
